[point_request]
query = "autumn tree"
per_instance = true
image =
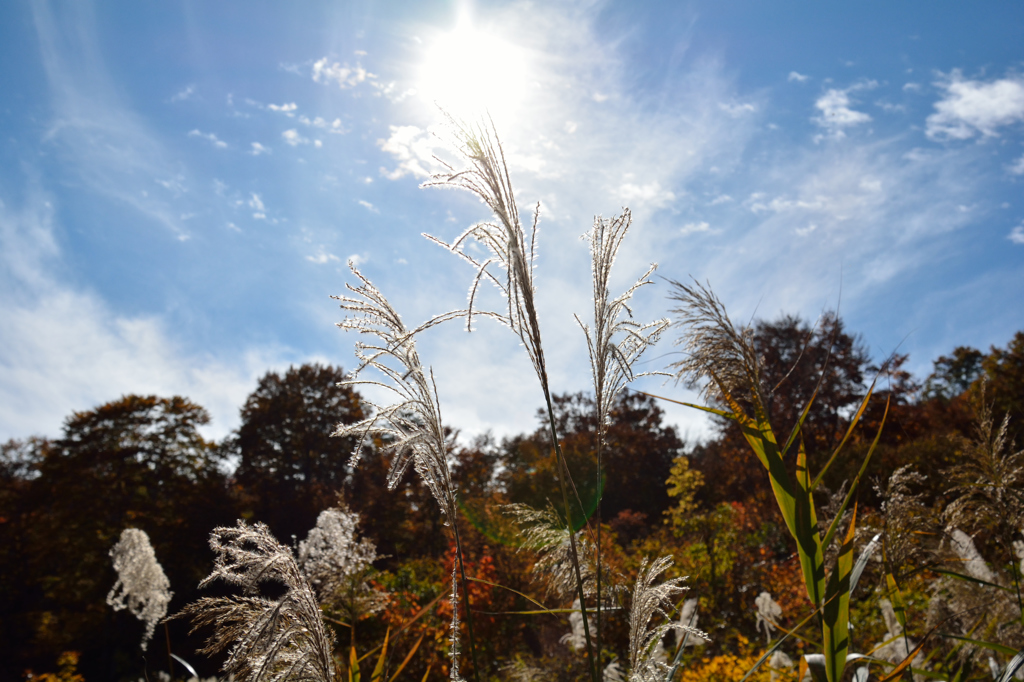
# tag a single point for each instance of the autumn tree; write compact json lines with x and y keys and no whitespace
{"x":136,"y":462}
{"x":1004,"y":371}
{"x":289,"y":466}
{"x":638,"y":457}
{"x":795,"y":356}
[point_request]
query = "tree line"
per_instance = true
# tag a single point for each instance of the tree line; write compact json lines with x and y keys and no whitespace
{"x":141,"y":462}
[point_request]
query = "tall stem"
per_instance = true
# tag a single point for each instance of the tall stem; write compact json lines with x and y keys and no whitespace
{"x":562,"y":469}
{"x":597,"y":513}
{"x":465,"y":601}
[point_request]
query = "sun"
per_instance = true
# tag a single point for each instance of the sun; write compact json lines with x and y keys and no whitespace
{"x":468,"y":71}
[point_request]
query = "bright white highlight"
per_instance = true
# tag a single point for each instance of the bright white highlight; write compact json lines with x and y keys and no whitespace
{"x":468,"y":71}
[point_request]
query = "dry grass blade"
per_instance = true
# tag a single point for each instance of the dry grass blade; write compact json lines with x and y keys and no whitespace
{"x":267,"y":640}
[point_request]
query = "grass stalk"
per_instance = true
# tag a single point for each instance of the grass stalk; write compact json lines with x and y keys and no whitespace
{"x":465,"y":600}
{"x":562,"y":474}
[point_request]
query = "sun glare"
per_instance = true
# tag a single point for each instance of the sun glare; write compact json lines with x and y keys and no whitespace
{"x":467,"y":71}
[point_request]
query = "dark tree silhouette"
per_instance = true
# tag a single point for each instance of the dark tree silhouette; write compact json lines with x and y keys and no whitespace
{"x":135,"y":462}
{"x":290,"y":468}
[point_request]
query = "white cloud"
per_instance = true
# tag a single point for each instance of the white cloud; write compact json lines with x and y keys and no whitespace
{"x":284,"y":108}
{"x":344,"y":75}
{"x":368,"y":206}
{"x":183,"y":94}
{"x":334,"y":126}
{"x":798,"y":77}
{"x":256,"y":203}
{"x":114,"y":151}
{"x":258,"y":149}
{"x":1017,"y":167}
{"x":970,"y":107}
{"x":738,"y":109}
{"x":690,"y":228}
{"x":218,"y":143}
{"x":651,"y":194}
{"x":322,"y":257}
{"x":356,"y":260}
{"x":1017,"y":234}
{"x":570,"y":127}
{"x":293,"y":138}
{"x":721,"y":199}
{"x":63,"y":348}
{"x":911,"y":87}
{"x":836,"y":113}
{"x":414,"y":150}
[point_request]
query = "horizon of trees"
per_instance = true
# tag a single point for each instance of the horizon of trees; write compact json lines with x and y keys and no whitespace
{"x":140,"y":461}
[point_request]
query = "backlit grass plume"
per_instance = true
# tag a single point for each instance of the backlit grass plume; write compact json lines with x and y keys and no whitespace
{"x":267,"y":639}
{"x":719,"y":356}
{"x":337,"y":565}
{"x":543,"y":532}
{"x":141,"y":587}
{"x":616,"y":340}
{"x":649,"y":601}
{"x":410,"y":428}
{"x":486,"y":176}
{"x":614,"y":344}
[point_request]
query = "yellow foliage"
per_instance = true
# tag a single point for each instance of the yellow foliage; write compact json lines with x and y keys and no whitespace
{"x":67,"y":663}
{"x":731,"y":667}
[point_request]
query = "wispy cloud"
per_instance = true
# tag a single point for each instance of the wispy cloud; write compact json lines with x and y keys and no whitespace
{"x":836,"y":112}
{"x":972,"y":107}
{"x":284,"y":108}
{"x":293,"y":138}
{"x":1017,"y":234}
{"x":111,"y":147}
{"x":62,"y":348}
{"x":336,"y":127}
{"x":1017,"y":167}
{"x":258,"y":149}
{"x":217,"y":142}
{"x":798,"y":77}
{"x":414,"y":149}
{"x":344,"y":75}
{"x":691,"y":228}
{"x":322,"y":257}
{"x":184,"y":94}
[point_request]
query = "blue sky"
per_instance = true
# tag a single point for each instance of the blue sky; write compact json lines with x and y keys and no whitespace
{"x":182,"y":183}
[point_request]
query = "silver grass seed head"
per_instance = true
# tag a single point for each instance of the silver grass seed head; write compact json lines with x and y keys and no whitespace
{"x":616,"y":341}
{"x":141,"y":586}
{"x":411,"y":427}
{"x":544,"y":532}
{"x":720,"y":357}
{"x":512,"y":252}
{"x":268,"y":640}
{"x":337,"y":565}
{"x":651,"y":600}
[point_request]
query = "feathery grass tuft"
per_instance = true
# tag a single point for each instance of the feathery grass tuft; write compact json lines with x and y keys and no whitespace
{"x":141,"y":587}
{"x":650,"y":600}
{"x":268,"y":640}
